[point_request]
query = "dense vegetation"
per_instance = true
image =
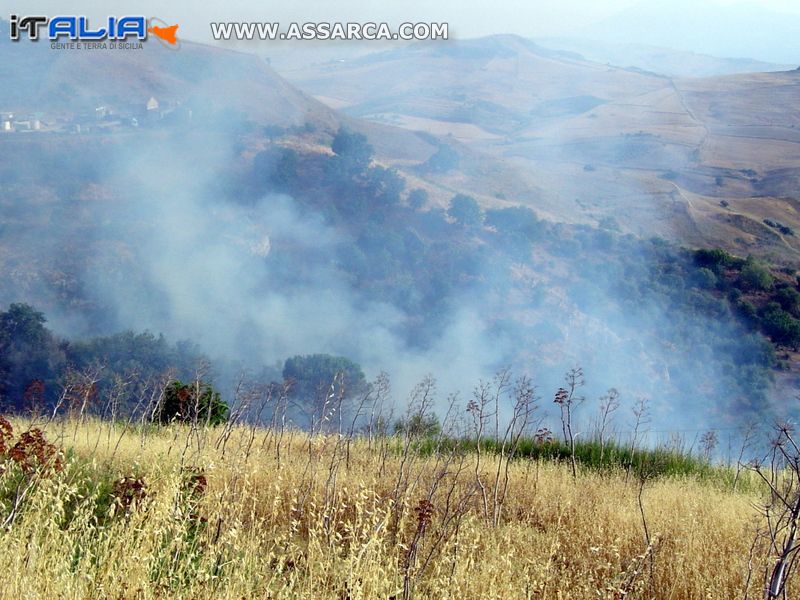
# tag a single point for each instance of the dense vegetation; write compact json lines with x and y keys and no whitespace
{"x":36,"y":367}
{"x":768,"y":301}
{"x":705,"y":323}
{"x":423,"y":259}
{"x":41,"y":372}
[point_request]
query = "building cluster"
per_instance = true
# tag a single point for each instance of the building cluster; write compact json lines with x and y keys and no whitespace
{"x":103,"y":118}
{"x":13,"y":122}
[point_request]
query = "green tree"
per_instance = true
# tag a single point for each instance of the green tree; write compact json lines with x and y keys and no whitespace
{"x":142,"y":356}
{"x":312,"y":372}
{"x":382,"y":187}
{"x":704,"y":278}
{"x":28,"y":353}
{"x":417,"y":198}
{"x":465,"y":211}
{"x":713,"y":258}
{"x":789,"y":299}
{"x":747,"y":311}
{"x":276,"y":169}
{"x":352,"y":148}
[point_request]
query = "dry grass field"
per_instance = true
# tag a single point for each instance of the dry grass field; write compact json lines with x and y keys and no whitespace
{"x":131,"y":512}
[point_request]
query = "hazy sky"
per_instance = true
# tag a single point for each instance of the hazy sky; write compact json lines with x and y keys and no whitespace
{"x":611,"y":20}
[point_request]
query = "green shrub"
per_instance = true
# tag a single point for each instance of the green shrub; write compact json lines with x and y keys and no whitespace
{"x":714,"y":259}
{"x":782,"y":327}
{"x":419,"y":426}
{"x":190,"y":402}
{"x":417,"y":198}
{"x":705,"y":278}
{"x":789,"y":299}
{"x":755,"y":276}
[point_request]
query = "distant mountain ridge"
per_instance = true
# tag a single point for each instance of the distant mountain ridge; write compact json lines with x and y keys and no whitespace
{"x":701,"y":26}
{"x":665,"y":61}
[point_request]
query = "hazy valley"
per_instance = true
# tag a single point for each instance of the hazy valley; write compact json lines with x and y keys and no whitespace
{"x":490,"y":317}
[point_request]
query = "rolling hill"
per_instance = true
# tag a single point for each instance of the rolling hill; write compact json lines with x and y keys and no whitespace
{"x":489,"y":88}
{"x":102,"y":91}
{"x":700,"y":160}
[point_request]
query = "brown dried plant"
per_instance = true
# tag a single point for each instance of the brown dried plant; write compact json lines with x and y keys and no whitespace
{"x":32,"y":451}
{"x":6,"y":435}
{"x":128,"y":493}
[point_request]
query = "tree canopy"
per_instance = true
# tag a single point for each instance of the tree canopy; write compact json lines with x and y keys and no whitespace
{"x":465,"y":211}
{"x":29,"y":354}
{"x":311,"y":372}
{"x":352,"y":148}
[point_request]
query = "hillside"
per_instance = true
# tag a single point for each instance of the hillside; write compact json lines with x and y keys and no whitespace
{"x":104,"y":90}
{"x":236,"y":255}
{"x":486,"y":88}
{"x":701,"y":161}
{"x":210,"y":89}
{"x":220,"y":217}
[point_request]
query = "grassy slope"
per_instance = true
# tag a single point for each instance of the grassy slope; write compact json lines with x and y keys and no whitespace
{"x":294,"y":516}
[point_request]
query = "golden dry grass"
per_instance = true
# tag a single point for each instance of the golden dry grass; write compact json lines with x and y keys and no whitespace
{"x":295,"y":517}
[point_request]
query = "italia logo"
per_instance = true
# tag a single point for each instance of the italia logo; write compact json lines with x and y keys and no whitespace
{"x":78,"y":28}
